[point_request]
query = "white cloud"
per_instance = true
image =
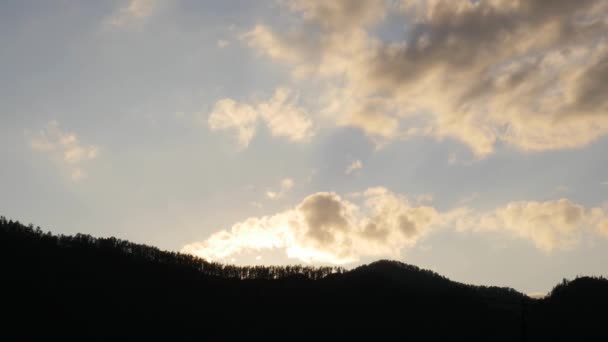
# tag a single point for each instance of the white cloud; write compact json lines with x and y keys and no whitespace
{"x":354,"y":166}
{"x":221,"y":43}
{"x":64,"y":147}
{"x":280,"y":114}
{"x":328,"y":229}
{"x":230,"y":115}
{"x":550,"y":225}
{"x":284,"y":118}
{"x":603,"y":228}
{"x":133,"y":11}
{"x":466,"y":70}
{"x":286,"y":185}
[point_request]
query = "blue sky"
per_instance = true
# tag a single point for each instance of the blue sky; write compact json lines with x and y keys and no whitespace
{"x":309,"y":131}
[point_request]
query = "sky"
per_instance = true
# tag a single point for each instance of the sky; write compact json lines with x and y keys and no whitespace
{"x":467,"y":137}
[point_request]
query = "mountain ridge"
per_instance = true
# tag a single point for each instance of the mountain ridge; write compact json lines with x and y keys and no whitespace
{"x":137,"y":289}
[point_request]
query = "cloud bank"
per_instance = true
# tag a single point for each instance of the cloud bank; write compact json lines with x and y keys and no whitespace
{"x":326,"y":228}
{"x":527,"y":73}
{"x":551,"y":225}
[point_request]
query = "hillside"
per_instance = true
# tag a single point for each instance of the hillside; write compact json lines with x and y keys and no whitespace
{"x":85,"y":288}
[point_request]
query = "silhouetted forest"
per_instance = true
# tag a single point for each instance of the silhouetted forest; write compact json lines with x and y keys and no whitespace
{"x":100,"y":289}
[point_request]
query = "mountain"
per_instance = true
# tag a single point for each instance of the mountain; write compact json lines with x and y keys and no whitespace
{"x":101,"y":289}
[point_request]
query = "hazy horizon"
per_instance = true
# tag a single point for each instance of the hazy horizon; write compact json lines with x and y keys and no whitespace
{"x":467,"y":137}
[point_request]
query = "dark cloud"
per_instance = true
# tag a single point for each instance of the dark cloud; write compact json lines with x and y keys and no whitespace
{"x":324,"y":214}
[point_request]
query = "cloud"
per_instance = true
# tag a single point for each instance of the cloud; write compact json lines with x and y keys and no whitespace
{"x":549,"y":225}
{"x":603,"y":228}
{"x":65,"y":147}
{"x":354,"y":166}
{"x":341,"y":14}
{"x":228,"y":114}
{"x":469,"y":198}
{"x":465,"y":70}
{"x":133,"y":11}
{"x":285,"y":186}
{"x":78,"y":175}
{"x":326,"y":228}
{"x":221,"y":43}
{"x":280,"y":114}
{"x":284,"y":119}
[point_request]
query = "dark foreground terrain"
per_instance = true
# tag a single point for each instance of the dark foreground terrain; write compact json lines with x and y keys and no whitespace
{"x":92,"y":289}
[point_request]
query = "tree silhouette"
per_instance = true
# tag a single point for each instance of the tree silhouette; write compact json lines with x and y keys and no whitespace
{"x":100,"y":289}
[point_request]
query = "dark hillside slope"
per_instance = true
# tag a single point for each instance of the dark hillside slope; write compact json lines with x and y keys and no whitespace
{"x":90,"y":289}
{"x":575,"y":310}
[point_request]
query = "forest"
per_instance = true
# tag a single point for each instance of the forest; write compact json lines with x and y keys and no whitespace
{"x":100,"y":289}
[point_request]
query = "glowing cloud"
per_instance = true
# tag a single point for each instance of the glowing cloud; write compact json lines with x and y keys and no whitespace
{"x":325,"y":228}
{"x":328,"y":229}
{"x":134,"y":10}
{"x":221,"y":43}
{"x":65,"y":147}
{"x":354,"y":166}
{"x":230,"y":115}
{"x":285,"y":187}
{"x":467,"y":70}
{"x":282,"y":117}
{"x":550,"y":225}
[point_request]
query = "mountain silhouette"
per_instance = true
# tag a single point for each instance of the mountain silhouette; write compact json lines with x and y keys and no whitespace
{"x":106,"y":289}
